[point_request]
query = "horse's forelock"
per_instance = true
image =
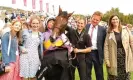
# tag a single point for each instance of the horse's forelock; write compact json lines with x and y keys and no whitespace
{"x":64,"y":13}
{"x":61,"y":21}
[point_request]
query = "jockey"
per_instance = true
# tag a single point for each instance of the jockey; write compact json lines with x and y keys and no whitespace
{"x":57,"y":49}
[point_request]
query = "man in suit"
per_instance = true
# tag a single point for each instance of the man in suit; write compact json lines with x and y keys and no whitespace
{"x":95,"y":57}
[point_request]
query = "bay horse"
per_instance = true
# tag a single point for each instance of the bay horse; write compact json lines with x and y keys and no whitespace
{"x":55,"y":63}
{"x":61,"y":21}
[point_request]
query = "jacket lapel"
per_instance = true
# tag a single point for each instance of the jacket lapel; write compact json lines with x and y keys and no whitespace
{"x":98,"y":34}
{"x":112,"y":36}
{"x":123,"y":32}
{"x":87,"y":28}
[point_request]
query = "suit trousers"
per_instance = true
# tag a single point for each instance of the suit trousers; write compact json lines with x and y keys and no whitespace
{"x":93,"y":59}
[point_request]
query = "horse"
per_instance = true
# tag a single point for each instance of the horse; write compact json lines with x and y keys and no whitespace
{"x":61,"y":21}
{"x":55,"y":61}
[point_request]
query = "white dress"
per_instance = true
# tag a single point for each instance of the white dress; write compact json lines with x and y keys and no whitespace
{"x":29,"y":62}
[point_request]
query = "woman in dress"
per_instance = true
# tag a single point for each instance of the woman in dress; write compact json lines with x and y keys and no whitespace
{"x":31,"y":49}
{"x":118,"y":50}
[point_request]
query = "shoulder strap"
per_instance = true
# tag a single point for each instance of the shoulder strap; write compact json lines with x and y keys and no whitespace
{"x":9,"y":45}
{"x":39,"y":35}
{"x":82,"y":34}
{"x":79,"y":38}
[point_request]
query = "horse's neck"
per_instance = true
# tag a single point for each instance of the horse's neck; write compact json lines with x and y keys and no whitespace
{"x":54,"y":35}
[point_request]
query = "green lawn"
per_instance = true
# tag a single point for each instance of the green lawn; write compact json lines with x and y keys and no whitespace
{"x":93,"y":74}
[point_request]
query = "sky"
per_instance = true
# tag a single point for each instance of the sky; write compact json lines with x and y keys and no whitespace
{"x":90,"y":6}
{"x":78,"y":6}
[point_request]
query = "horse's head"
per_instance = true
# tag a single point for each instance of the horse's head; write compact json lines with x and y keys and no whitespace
{"x":62,"y":20}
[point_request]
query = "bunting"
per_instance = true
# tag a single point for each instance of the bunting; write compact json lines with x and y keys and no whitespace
{"x":41,"y":5}
{"x":47,"y":7}
{"x":33,"y":4}
{"x":25,"y":2}
{"x":13,"y":1}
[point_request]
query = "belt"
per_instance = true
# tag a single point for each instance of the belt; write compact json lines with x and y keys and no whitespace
{"x":94,"y":50}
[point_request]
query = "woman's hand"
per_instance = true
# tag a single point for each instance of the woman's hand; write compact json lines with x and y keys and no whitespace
{"x":24,"y":50}
{"x":107,"y":63}
{"x":7,"y":69}
{"x":76,"y":50}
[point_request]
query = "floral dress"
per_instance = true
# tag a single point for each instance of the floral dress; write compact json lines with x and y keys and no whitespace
{"x":29,"y":61}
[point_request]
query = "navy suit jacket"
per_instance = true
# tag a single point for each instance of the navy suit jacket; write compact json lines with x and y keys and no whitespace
{"x":101,"y":34}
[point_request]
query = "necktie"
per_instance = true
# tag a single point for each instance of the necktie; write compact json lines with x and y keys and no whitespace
{"x":92,"y":32}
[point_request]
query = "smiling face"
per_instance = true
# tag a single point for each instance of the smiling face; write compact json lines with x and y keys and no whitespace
{"x":95,"y":20}
{"x":35,"y":24}
{"x":16,"y":26}
{"x":50,"y":24}
{"x":81,"y":24}
{"x":115,"y":21}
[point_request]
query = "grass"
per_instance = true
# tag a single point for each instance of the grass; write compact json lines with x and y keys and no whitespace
{"x":93,"y":74}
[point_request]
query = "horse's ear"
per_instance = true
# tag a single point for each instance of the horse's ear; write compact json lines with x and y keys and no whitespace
{"x":60,"y":10}
{"x":69,"y":14}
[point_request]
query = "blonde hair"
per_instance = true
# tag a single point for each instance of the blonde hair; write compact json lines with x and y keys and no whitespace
{"x":33,"y":18}
{"x":98,"y":13}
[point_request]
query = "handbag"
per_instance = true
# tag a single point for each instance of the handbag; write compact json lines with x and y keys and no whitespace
{"x":2,"y":65}
{"x":2,"y":69}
